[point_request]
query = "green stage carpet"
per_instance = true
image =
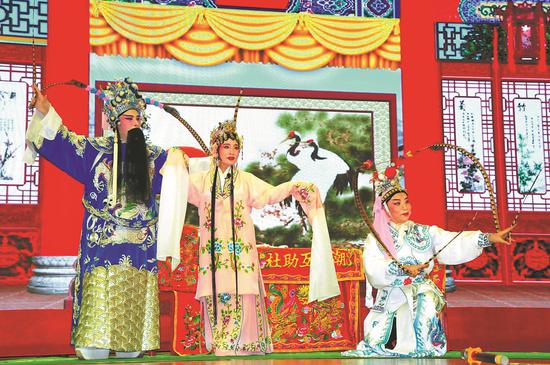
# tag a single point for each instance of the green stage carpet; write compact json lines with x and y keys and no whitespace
{"x":168,"y":357}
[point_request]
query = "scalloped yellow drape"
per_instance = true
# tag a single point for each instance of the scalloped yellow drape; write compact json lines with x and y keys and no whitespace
{"x":205,"y":37}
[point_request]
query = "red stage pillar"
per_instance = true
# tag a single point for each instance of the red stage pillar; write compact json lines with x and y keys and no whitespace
{"x":67,"y":57}
{"x":422,"y":124}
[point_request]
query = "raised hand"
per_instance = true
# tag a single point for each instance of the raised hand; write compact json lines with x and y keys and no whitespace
{"x":39,"y":101}
{"x":414,"y":270}
{"x":502,"y":236}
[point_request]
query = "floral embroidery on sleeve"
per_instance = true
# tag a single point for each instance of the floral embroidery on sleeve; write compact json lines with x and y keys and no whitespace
{"x":304,"y":192}
{"x":483,"y":240}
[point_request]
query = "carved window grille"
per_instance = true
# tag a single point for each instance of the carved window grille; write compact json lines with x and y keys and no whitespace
{"x":20,"y":19}
{"x":451,"y":89}
{"x":539,"y":201}
{"x":27,"y":191}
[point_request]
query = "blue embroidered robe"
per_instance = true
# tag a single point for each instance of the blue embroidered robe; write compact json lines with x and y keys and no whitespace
{"x":115,"y":298}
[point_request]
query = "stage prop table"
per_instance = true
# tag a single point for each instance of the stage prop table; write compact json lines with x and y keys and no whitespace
{"x":296,"y":325}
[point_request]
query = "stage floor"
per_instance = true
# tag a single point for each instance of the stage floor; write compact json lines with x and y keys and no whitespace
{"x":330,"y":362}
{"x":321,"y":358}
{"x":494,"y":318}
{"x":470,"y":295}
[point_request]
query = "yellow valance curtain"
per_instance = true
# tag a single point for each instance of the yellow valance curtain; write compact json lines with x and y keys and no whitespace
{"x":205,"y":37}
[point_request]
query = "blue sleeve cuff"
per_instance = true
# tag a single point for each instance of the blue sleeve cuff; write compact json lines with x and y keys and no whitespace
{"x":483,"y":240}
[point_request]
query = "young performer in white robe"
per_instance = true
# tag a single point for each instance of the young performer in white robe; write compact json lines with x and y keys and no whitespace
{"x":406,"y":293}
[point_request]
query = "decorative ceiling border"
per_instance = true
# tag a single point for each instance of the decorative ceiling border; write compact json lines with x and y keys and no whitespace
{"x":363,"y":8}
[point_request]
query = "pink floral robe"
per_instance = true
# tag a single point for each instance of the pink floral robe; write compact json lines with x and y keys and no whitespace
{"x":241,"y":327}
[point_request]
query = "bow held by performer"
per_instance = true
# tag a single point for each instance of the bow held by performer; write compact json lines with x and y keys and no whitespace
{"x":398,"y":265}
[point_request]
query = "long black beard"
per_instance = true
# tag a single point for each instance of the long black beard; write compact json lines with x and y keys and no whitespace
{"x":136,"y":168}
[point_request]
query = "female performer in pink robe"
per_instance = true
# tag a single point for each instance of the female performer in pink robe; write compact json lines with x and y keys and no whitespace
{"x":230,"y":286}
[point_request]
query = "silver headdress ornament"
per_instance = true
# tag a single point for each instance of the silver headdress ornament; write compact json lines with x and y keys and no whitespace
{"x":121,"y":96}
{"x":118,"y":98}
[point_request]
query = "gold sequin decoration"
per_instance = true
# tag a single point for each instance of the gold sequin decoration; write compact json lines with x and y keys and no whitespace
{"x":119,"y":310}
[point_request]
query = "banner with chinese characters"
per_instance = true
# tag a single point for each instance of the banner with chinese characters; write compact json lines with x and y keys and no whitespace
{"x":529,"y":145}
{"x":291,"y":265}
{"x":468,"y":124}
{"x":13,"y":120}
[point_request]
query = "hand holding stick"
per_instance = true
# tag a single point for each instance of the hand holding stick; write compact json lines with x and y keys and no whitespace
{"x":39,"y":101}
{"x":502,"y":236}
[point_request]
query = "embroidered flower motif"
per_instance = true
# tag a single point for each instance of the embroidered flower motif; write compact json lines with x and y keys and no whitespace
{"x":302,"y":330}
{"x":238,"y":248}
{"x":224,"y":297}
{"x":303,"y":193}
{"x":407,"y":281}
{"x":190,"y":341}
{"x":217,"y":246}
{"x":239,"y":222}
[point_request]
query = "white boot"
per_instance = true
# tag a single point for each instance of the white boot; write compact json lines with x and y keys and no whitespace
{"x":128,"y":355}
{"x":91,"y":353}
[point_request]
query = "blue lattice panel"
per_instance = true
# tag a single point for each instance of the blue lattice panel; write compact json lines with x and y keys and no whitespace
{"x":27,"y":191}
{"x":519,"y":199}
{"x":23,"y":20}
{"x":451,"y":88}
{"x":450,"y":37}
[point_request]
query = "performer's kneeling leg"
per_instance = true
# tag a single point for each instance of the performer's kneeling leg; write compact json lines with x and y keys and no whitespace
{"x":430,"y":337}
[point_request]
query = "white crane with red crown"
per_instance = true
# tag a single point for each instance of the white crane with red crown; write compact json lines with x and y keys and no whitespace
{"x":320,"y":166}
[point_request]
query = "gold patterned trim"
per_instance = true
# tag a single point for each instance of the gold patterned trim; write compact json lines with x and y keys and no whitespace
{"x":78,"y":141}
{"x":119,"y":309}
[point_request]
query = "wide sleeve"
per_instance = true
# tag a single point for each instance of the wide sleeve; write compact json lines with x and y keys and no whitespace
{"x":48,"y":136}
{"x":465,"y":246}
{"x":173,"y":206}
{"x":323,"y":283}
{"x":381,"y":271}
{"x":160,"y":161}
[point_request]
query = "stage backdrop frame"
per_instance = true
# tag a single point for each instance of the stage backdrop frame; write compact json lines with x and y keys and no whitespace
{"x":381,"y":108}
